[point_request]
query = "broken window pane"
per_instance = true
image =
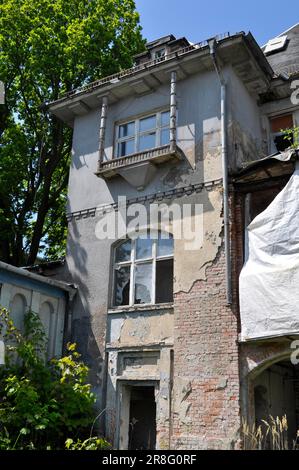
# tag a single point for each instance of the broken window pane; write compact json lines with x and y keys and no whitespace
{"x":123,"y":252}
{"x":160,"y":54}
{"x":282,"y":143}
{"x":122,"y":286}
{"x":164,"y":281}
{"x":143,"y":284}
{"x":143,"y":248}
{"x":165,"y":246}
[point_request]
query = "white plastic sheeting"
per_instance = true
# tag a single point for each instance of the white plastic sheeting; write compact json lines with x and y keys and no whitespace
{"x":269,"y":281}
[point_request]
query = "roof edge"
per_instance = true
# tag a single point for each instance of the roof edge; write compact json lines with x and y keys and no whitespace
{"x":36,"y":277}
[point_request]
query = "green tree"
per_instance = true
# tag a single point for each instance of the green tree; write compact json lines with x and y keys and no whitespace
{"x":47,"y":48}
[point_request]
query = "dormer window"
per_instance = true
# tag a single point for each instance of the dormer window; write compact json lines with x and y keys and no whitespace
{"x":159,"y":54}
{"x":142,"y":134}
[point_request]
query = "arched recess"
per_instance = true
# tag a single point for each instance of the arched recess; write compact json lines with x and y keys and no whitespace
{"x":47,"y":316}
{"x":273,"y":390}
{"x":18,"y":308}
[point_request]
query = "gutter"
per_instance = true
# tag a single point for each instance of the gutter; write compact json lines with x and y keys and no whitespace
{"x":212,"y":45}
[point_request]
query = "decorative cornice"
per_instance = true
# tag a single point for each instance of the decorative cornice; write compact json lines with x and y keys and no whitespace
{"x":150,"y":198}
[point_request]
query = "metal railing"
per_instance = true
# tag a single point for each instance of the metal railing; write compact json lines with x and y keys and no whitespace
{"x":115,"y":78}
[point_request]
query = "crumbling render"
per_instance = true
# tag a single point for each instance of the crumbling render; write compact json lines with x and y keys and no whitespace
{"x":191,"y":265}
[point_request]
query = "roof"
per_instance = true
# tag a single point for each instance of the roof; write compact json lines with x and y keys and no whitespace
{"x":160,"y":41}
{"x":70,"y":289}
{"x":80,"y":101}
{"x":276,"y":165}
{"x":286,"y":60}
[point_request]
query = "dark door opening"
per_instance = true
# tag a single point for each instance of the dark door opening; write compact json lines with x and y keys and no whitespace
{"x":142,"y":425}
{"x":276,"y":394}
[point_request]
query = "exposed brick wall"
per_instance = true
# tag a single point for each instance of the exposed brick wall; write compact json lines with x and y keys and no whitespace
{"x":206,"y":367}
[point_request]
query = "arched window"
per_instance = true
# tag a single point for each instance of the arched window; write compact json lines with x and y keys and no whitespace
{"x":143,"y":271}
{"x":17,"y":311}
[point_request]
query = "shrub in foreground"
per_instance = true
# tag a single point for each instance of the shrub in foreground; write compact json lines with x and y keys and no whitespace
{"x":43,"y":404}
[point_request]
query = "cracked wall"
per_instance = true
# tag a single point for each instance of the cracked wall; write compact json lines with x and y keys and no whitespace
{"x":140,"y":328}
{"x":190,"y":264}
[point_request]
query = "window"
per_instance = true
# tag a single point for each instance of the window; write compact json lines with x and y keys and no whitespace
{"x":159,"y":54}
{"x":276,"y":44}
{"x":278,"y":125}
{"x":143,"y":271}
{"x":143,"y":134}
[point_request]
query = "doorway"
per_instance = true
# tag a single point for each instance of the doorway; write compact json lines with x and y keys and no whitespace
{"x":142,"y":421}
{"x":276,"y":394}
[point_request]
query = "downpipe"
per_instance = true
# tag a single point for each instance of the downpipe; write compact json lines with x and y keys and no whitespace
{"x":224,"y":160}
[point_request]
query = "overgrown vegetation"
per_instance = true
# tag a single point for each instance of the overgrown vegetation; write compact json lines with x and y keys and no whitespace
{"x":271,"y":434}
{"x":43,"y":405}
{"x":292,"y":136}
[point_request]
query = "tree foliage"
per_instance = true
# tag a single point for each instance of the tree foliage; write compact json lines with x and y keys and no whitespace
{"x":47,"y":48}
{"x":43,"y":405}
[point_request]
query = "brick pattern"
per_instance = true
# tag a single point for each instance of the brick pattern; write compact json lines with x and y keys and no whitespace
{"x":206,"y":357}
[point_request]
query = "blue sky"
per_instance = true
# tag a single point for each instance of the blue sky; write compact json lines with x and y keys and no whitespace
{"x":199,"y":20}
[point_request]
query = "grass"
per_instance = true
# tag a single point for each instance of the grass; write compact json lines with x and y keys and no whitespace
{"x":270,"y":434}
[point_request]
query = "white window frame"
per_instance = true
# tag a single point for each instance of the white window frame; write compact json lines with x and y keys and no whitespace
{"x":136,"y":137}
{"x":276,"y":44}
{"x":133,"y":263}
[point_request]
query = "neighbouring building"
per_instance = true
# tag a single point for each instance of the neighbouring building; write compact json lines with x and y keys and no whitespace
{"x":176,"y":359}
{"x":22,"y":291}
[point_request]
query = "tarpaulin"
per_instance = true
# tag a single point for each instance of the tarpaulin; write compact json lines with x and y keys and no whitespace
{"x":269,"y":280}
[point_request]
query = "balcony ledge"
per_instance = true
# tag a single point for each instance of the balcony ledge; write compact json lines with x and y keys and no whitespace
{"x":139,"y":168}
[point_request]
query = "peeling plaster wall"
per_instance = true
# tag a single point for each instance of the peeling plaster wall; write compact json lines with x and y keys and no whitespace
{"x":137,"y":372}
{"x":198,"y":134}
{"x":140,"y":328}
{"x":190,"y":265}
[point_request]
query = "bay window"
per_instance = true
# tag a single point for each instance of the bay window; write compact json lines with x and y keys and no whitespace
{"x":142,"y":134}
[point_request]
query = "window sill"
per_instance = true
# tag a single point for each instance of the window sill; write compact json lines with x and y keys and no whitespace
{"x":140,"y":308}
{"x":156,"y":156}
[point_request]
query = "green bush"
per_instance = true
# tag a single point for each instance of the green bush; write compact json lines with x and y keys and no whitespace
{"x":42,"y":403}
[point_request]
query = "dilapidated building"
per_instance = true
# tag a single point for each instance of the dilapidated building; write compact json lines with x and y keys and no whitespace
{"x":175,"y":362}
